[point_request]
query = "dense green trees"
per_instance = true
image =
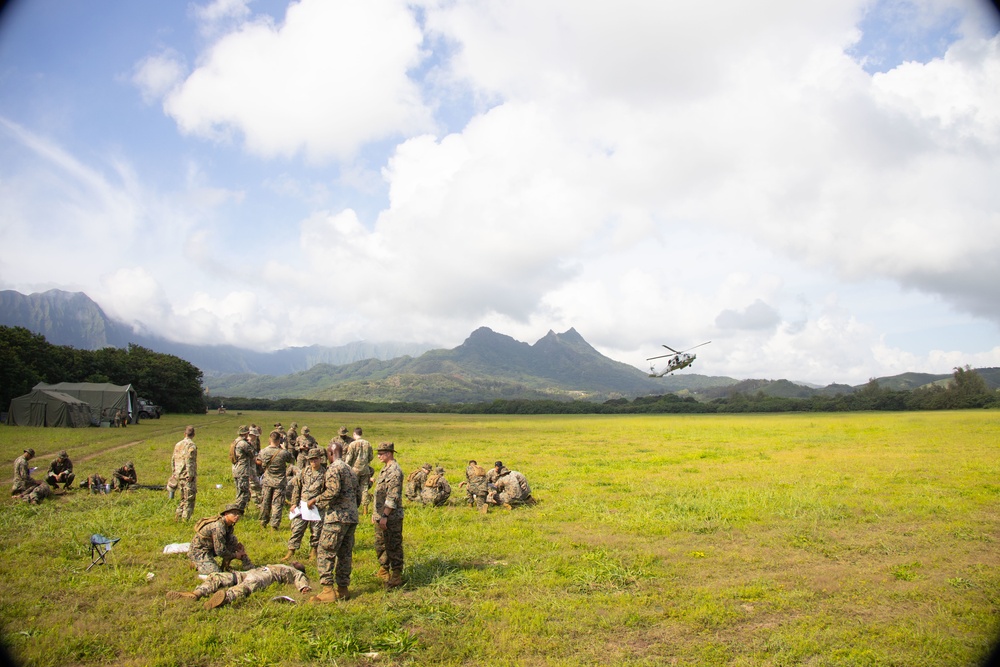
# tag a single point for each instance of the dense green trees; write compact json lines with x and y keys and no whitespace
{"x":27,"y":358}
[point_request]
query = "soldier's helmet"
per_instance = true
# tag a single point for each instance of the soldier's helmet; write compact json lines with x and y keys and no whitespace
{"x":439,"y":470}
{"x":427,"y":466}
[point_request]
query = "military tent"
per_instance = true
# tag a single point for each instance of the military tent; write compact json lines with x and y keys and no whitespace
{"x":104,"y":399}
{"x":44,"y":407}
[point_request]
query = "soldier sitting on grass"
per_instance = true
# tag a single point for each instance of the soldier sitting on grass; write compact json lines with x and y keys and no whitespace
{"x":124,"y":478}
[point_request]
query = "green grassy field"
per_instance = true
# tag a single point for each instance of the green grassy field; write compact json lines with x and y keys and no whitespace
{"x":818,"y":539}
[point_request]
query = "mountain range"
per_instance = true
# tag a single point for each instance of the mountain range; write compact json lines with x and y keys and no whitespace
{"x":486,"y":366}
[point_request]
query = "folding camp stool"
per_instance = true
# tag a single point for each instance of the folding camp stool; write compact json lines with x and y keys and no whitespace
{"x":99,"y":548}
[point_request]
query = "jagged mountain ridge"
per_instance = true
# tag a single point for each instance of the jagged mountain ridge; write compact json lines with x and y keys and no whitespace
{"x":74,"y":319}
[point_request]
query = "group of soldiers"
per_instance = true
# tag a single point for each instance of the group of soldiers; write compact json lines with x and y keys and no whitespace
{"x":61,"y":472}
{"x":327,"y":488}
{"x":335,"y":484}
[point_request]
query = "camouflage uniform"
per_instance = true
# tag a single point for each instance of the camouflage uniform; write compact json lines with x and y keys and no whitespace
{"x":338,"y":500}
{"x":475,"y":490}
{"x":415,"y":482}
{"x":306,"y":485}
{"x":275,"y":462}
{"x":389,"y":495}
{"x":215,"y":539}
{"x":242,"y":584}
{"x":436,"y":489}
{"x":37,"y":494}
{"x":244,"y":467}
{"x":303,"y":444}
{"x":184,"y":465}
{"x":513,"y":489}
{"x":256,"y":471}
{"x":22,"y":476}
{"x":359,"y":456}
{"x":124,"y":477}
{"x":96,"y":483}
{"x":61,"y":466}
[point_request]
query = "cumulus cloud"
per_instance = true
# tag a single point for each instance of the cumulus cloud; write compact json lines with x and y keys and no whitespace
{"x":156,"y":75}
{"x":327,"y":80}
{"x":758,"y":315}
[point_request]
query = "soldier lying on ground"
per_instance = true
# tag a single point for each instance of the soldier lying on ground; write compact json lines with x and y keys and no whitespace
{"x":37,"y":494}
{"x":242,"y":584}
{"x":95,"y":483}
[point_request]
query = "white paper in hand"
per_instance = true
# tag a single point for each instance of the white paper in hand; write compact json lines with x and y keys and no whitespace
{"x":308,"y":513}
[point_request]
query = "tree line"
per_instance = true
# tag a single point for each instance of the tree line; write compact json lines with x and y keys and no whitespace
{"x":26,"y":359}
{"x":966,"y":390}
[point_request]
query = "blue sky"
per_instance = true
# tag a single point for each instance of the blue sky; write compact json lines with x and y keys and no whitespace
{"x":810,"y":186}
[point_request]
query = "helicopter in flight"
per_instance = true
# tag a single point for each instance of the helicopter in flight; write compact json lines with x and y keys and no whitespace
{"x":676,"y":361}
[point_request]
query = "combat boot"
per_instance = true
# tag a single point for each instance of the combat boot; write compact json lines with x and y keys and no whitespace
{"x":484,"y":508}
{"x":343,"y":593}
{"x":382,"y":573}
{"x":395,"y":579}
{"x":312,"y":554}
{"x":181,"y":595}
{"x":287,"y":557}
{"x":217,"y":600}
{"x":327,"y":595}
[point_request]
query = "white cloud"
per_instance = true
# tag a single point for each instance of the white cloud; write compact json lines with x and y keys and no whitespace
{"x":157,"y":75}
{"x":329,"y":79}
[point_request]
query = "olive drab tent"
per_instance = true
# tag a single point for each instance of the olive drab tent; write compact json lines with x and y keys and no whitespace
{"x":104,"y":399}
{"x":44,"y":407}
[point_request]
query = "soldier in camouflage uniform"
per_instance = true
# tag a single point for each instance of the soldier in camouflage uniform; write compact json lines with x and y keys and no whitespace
{"x":184,"y":467}
{"x":387,"y":515}
{"x":475,"y":483}
{"x":214,"y":538}
{"x":436,"y":489}
{"x":242,"y":455}
{"x":22,"y":473}
{"x":303,"y":444}
{"x":307,"y":484}
{"x":293,"y":433}
{"x":359,"y":456}
{"x":415,"y":482}
{"x":241,"y":584}
{"x":338,"y":502}
{"x":253,"y":437}
{"x":123,"y":478}
{"x":275,"y":462}
{"x":37,"y":493}
{"x":95,"y":483}
{"x":512,"y":489}
{"x":60,"y":471}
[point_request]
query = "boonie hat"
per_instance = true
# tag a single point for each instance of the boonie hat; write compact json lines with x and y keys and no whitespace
{"x":386,"y":447}
{"x":232,"y":507}
{"x":314,"y":453}
{"x":342,"y":431}
{"x":244,"y":430}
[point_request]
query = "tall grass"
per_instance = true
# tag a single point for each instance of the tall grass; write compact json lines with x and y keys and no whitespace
{"x":861,"y":539}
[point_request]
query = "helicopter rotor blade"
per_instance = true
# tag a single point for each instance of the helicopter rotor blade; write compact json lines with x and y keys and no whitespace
{"x":671,"y":349}
{"x":660,"y":357}
{"x":699,"y":345}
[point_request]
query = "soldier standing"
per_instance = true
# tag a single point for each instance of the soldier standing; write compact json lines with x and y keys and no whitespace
{"x":214,"y":538}
{"x":475,"y":483}
{"x":303,"y":444}
{"x":307,"y":484}
{"x":184,"y":466}
{"x":255,"y":471}
{"x":387,"y":515}
{"x":22,"y":473}
{"x":242,"y":455}
{"x":275,"y":462}
{"x":60,"y":471}
{"x":359,"y":456}
{"x":338,"y":501}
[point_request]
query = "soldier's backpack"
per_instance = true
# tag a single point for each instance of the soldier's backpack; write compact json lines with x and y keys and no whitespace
{"x":432,"y":480}
{"x":478,"y":471}
{"x":232,"y":451}
{"x":208,"y":520}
